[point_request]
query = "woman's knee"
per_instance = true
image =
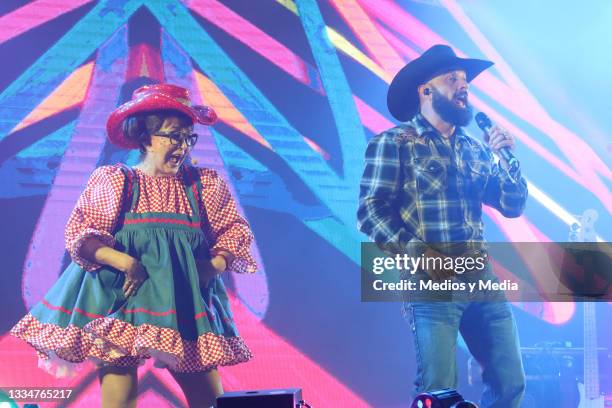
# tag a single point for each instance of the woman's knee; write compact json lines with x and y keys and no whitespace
{"x":200,"y":389}
{"x":119,"y":386}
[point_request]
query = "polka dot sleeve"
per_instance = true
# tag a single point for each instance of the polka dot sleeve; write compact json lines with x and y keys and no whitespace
{"x":228,"y":230}
{"x":95,"y":213}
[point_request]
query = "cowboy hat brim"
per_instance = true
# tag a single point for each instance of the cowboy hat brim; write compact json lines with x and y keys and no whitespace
{"x":402,"y":97}
{"x":152,"y":102}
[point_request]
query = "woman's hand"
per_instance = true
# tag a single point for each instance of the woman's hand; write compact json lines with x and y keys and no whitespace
{"x":209,"y":268}
{"x":135,"y":275}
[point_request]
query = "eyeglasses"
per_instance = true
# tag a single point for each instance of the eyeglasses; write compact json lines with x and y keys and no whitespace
{"x":178,"y":138}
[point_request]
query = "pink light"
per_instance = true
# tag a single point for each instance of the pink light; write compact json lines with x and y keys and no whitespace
{"x":493,"y":85}
{"x":277,"y":364}
{"x":46,"y":248}
{"x":368,"y":33}
{"x":515,"y":229}
{"x":516,"y":99}
{"x":34,"y":14}
{"x":422,"y":36}
{"x":500,"y":64}
{"x":250,"y":35}
{"x":314,"y":146}
{"x":252,"y":289}
{"x":144,"y":61}
{"x":397,"y":43}
{"x":371,"y":118}
{"x":19,"y":364}
{"x":502,"y":273}
{"x":580,"y":154}
{"x":592,"y":183}
{"x":521,"y":230}
{"x":402,"y":22}
{"x":279,"y":55}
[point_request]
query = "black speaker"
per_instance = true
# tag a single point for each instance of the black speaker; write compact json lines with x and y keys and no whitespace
{"x":285,"y":398}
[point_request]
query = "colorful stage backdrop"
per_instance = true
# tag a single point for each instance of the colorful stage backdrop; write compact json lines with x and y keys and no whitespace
{"x":299,"y":87}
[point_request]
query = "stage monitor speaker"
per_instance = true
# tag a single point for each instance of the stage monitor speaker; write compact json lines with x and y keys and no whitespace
{"x":444,"y":398}
{"x":285,"y":398}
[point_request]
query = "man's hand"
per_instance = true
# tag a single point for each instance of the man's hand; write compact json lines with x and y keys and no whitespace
{"x":135,"y":275}
{"x":437,"y":274}
{"x":499,"y":137}
{"x":209,"y":268}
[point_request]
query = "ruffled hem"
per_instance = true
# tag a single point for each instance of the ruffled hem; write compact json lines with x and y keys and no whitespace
{"x":109,"y":341}
{"x":58,"y":367}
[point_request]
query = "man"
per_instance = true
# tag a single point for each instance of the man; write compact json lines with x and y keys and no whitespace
{"x":424,"y":185}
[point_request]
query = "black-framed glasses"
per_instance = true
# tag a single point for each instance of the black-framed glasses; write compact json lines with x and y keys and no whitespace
{"x":177,"y":138}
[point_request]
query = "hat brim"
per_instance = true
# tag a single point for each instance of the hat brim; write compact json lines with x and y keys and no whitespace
{"x":153,"y":102}
{"x":402,"y":97}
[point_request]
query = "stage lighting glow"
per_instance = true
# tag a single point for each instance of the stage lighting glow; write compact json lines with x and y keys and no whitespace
{"x":293,"y":177}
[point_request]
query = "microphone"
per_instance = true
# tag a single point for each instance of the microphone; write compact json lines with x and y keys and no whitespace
{"x":484,"y":123}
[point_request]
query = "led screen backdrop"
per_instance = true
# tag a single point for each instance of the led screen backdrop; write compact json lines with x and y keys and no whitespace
{"x":299,"y":87}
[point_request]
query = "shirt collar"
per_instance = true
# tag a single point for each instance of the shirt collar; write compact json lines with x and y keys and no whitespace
{"x":423,"y":127}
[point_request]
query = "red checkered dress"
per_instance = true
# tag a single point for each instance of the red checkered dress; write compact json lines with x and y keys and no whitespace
{"x":166,"y":223}
{"x":97,"y":212}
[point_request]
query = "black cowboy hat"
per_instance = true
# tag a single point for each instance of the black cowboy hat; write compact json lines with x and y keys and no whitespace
{"x":403,"y":99}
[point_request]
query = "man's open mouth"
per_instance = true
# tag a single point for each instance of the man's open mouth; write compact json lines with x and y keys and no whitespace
{"x":461,"y":100}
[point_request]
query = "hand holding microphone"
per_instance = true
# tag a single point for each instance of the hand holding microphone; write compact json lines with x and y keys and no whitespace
{"x":499,"y":141}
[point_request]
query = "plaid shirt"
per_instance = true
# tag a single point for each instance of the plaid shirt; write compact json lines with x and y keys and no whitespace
{"x":418,"y":186}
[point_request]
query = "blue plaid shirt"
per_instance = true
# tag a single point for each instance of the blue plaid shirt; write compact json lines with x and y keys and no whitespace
{"x":418,"y":186}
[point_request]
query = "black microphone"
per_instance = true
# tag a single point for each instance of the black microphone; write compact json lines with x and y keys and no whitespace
{"x":484,"y":123}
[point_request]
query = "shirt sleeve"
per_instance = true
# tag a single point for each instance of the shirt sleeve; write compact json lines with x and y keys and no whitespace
{"x":229,"y":231}
{"x":503,"y":193}
{"x":96,"y":213}
{"x":378,"y":215}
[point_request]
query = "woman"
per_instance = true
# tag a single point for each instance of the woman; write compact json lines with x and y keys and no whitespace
{"x":148,"y":245}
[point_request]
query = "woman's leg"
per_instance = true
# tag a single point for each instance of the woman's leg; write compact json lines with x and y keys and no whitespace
{"x":119,"y":386}
{"x":201,"y":389}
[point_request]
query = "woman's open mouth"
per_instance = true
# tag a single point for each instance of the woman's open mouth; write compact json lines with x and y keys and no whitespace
{"x":176,"y":159}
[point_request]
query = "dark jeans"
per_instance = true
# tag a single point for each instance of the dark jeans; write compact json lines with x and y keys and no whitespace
{"x":488,"y":329}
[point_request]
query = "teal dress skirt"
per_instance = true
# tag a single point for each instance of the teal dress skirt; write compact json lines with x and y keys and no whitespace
{"x":186,"y":327}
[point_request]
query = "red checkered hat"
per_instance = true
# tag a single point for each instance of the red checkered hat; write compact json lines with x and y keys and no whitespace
{"x":152,"y":98}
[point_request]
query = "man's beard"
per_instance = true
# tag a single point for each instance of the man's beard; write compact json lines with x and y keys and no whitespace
{"x":449,"y":111}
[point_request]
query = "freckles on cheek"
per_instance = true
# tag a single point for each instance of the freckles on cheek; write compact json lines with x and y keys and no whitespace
{"x":160,"y":148}
{"x":158,"y":152}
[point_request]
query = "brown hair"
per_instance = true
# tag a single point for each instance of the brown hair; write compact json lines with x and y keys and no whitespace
{"x":140,"y":127}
